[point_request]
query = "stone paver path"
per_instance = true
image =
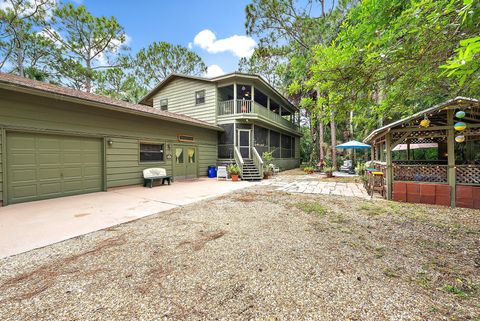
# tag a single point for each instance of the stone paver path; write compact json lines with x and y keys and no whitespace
{"x":313,"y":186}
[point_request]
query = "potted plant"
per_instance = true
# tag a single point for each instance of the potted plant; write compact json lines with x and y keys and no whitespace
{"x":328,"y":171}
{"x":308,"y":169}
{"x":233,"y":170}
{"x":267,"y":164}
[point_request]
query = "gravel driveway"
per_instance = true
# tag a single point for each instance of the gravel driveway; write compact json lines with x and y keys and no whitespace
{"x":259,"y":254}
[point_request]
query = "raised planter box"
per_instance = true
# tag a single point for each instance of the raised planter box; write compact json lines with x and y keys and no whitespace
{"x":468,"y":196}
{"x":414,"y":192}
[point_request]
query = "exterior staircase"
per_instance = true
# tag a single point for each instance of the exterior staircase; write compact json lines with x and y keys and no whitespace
{"x":250,"y":171}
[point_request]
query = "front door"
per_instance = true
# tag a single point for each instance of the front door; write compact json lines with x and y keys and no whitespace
{"x":244,"y":143}
{"x":185,"y":162}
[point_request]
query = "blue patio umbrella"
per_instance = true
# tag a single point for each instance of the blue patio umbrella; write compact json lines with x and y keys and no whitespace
{"x":353,"y":144}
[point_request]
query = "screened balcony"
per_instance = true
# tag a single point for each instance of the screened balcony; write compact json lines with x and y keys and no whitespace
{"x":249,"y":101}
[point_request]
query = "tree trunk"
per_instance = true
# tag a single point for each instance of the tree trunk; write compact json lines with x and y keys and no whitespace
{"x":20,"y":66}
{"x":377,"y":97}
{"x":350,"y":128}
{"x":321,"y":137}
{"x":333,"y":129}
{"x":88,"y":78}
{"x":313,"y":134}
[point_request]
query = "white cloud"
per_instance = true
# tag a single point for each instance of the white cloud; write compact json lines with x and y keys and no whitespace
{"x":214,"y":71}
{"x":240,"y":46}
{"x":190,"y":45}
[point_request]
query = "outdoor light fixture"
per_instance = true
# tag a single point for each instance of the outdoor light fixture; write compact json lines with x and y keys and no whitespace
{"x":109,"y":141}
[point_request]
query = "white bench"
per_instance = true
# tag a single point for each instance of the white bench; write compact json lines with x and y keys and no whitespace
{"x":152,"y":174}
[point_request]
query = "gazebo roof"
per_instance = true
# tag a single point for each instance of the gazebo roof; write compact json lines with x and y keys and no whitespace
{"x":452,"y":103}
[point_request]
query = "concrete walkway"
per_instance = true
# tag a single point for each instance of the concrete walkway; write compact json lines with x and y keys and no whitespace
{"x":27,"y":226}
{"x":306,"y":185}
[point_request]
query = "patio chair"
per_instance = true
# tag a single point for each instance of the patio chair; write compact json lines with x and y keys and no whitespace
{"x":276,"y":169}
{"x":347,"y":166}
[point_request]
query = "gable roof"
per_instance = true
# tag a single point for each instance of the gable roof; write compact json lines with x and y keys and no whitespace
{"x":147,"y":100}
{"x":455,"y":102}
{"x":21,"y":84}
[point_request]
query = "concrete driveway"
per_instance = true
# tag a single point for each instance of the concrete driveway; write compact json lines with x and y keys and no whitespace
{"x":27,"y":226}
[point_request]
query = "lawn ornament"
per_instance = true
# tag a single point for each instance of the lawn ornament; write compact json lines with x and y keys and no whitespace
{"x":460,"y":138}
{"x":460,"y":126}
{"x":425,"y":122}
{"x":460,"y":114}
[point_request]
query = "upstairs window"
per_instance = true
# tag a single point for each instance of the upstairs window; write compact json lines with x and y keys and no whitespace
{"x":199,"y":97}
{"x":164,"y":104}
{"x":151,"y":152}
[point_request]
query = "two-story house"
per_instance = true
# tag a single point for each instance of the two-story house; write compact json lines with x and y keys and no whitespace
{"x":255,"y":117}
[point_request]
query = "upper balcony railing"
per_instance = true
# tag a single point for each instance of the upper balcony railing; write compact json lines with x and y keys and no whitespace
{"x":228,"y":107}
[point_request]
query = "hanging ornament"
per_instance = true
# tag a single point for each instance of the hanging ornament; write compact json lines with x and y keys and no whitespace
{"x":460,"y":139}
{"x":460,"y":126}
{"x":425,"y":122}
{"x":460,"y":114}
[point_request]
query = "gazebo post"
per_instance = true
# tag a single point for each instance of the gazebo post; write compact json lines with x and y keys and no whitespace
{"x":408,"y":149}
{"x":389,"y":178}
{"x":451,"y":157}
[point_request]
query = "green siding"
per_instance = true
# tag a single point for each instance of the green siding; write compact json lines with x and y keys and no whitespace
{"x":287,"y":163}
{"x":1,"y":164}
{"x":207,"y":155}
{"x":123,"y":162}
{"x":181,"y":99}
{"x":28,"y":113}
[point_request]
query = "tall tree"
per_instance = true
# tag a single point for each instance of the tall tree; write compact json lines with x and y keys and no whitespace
{"x":268,"y":63}
{"x":384,"y":63}
{"x":87,"y":43}
{"x":118,"y":84}
{"x":296,"y":27}
{"x":465,"y":65}
{"x":22,"y":45}
{"x":160,"y":59}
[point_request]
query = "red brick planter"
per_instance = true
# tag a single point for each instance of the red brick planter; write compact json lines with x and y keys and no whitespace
{"x":413,"y":192}
{"x":468,"y":196}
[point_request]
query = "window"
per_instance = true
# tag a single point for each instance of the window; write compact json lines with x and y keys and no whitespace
{"x":191,"y":155}
{"x":185,"y":138}
{"x":179,"y":156}
{"x":275,"y":143}
{"x":164,"y":104}
{"x":286,"y":143}
{"x":199,"y":97}
{"x":151,"y":152}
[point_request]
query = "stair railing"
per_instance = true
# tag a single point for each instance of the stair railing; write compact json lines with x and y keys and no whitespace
{"x":238,"y":159}
{"x":257,"y":161}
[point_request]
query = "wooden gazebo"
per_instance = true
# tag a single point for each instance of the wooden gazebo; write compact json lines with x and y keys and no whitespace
{"x":451,"y":175}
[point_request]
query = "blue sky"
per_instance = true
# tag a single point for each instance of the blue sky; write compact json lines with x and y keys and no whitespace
{"x":179,"y":22}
